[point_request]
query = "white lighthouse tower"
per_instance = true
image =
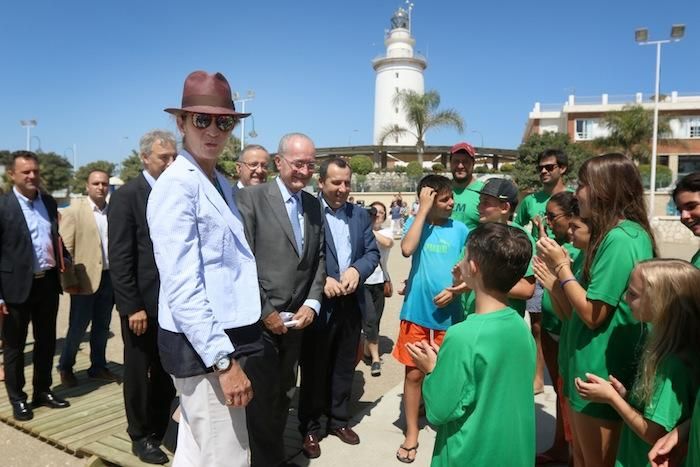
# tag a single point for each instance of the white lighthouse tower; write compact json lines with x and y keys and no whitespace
{"x":400,"y":69}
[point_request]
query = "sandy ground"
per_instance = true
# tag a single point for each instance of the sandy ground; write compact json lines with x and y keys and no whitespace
{"x":21,"y":449}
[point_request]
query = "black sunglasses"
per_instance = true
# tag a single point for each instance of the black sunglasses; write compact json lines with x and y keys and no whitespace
{"x":547,"y":167}
{"x":223,"y":122}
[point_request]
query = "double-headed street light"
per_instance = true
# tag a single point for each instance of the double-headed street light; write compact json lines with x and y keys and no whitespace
{"x":642,"y":37}
{"x":28,"y":124}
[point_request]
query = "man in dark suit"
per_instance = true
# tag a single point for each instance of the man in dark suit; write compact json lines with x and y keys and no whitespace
{"x":29,"y":283}
{"x":330,"y":344}
{"x":148,"y":389}
{"x":284,"y":228}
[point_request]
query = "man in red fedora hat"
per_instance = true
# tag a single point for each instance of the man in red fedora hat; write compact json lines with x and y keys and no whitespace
{"x":208,"y":319}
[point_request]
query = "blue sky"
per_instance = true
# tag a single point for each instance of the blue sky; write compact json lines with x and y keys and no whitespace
{"x":99,"y":73}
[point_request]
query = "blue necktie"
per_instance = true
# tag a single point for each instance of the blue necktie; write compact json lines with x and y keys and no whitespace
{"x":294,"y":218}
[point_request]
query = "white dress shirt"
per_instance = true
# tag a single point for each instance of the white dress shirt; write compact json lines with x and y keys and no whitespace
{"x":101,"y":221}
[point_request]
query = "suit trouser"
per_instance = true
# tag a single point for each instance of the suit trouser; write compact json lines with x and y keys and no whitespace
{"x":148,"y":389}
{"x":95,"y":308}
{"x":328,"y":362}
{"x":211,"y":434}
{"x":273,"y":376}
{"x":40,"y":308}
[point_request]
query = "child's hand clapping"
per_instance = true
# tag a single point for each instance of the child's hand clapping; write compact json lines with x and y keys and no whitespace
{"x":424,"y":355}
{"x":597,"y":389}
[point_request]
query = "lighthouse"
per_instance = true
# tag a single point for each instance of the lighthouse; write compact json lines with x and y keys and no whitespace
{"x":399,"y":69}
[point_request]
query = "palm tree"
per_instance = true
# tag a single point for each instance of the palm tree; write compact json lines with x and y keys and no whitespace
{"x":422,"y":115}
{"x":631,"y":131}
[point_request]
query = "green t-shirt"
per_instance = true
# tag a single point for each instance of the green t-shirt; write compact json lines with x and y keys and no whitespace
{"x":484,"y":368}
{"x":671,"y":404}
{"x":613,"y":347}
{"x":466,"y":203}
{"x":533,"y":205}
{"x":696,"y":259}
{"x":468,"y":299}
{"x":550,"y":320}
{"x":694,"y":440}
{"x":566,"y":350}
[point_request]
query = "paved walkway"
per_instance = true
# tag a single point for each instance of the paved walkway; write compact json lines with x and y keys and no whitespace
{"x":376,"y":401}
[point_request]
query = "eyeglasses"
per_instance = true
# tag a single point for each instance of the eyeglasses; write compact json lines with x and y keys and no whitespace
{"x":551,"y":217}
{"x":223,"y":122}
{"x":547,"y":167}
{"x":299,"y":164}
{"x":254,"y":165}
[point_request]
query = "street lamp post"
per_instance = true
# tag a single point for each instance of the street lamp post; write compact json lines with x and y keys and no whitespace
{"x":250,"y":95}
{"x":642,"y":37}
{"x":75,"y":155}
{"x":28,"y":124}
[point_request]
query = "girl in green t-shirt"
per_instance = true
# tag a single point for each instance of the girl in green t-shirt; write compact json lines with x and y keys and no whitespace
{"x":559,"y":211}
{"x":665,"y":294}
{"x":605,"y":337}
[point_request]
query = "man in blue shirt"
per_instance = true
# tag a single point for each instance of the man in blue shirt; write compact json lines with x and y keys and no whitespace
{"x":330,"y":343}
{"x":30,"y":256}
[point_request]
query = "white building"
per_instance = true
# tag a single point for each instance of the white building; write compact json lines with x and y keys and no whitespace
{"x":398,"y":70}
{"x":581,"y":118}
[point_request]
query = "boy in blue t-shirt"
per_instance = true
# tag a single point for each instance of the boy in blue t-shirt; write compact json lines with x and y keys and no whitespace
{"x":435,"y":243}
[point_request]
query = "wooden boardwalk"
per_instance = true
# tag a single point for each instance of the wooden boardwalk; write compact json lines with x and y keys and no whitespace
{"x":94,"y":426}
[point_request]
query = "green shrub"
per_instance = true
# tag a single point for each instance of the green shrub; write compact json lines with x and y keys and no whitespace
{"x":438,"y":167}
{"x":361,"y":165}
{"x":664,"y":177}
{"x":414,"y":170}
{"x":506,"y":168}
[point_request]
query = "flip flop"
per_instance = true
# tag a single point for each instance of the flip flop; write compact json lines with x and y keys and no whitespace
{"x":405,"y":459}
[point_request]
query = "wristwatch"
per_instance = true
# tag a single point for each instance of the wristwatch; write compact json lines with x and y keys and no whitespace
{"x":222,"y":362}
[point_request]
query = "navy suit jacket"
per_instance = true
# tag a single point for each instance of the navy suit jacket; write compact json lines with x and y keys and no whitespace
{"x":364,"y":252}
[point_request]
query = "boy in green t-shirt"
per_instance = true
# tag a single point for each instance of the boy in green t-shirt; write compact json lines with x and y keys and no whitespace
{"x":478,"y":387}
{"x":686,"y":195}
{"x":497,"y":202}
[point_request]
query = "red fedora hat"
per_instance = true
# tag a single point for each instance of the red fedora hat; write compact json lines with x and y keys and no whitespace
{"x":208,"y":94}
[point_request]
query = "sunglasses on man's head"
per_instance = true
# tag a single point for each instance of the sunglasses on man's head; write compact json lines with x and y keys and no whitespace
{"x":547,"y":167}
{"x":223,"y":122}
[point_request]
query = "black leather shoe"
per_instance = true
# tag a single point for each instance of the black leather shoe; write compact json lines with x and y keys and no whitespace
{"x":49,"y":399}
{"x":22,"y":411}
{"x":148,"y":451}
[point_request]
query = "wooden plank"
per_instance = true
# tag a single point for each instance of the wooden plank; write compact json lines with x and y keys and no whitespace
{"x":78,"y":440}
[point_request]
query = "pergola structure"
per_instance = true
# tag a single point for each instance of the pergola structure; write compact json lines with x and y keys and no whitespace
{"x":387,"y":156}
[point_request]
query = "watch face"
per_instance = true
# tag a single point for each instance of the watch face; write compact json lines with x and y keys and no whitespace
{"x":223,"y":363}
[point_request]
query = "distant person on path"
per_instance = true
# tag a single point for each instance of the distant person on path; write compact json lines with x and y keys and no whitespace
{"x":478,"y":388}
{"x":83,"y":228}
{"x":395,"y":213}
{"x":329,"y":349}
{"x":30,"y":260}
{"x":284,"y":226}
{"x":552,"y":165}
{"x":207,"y":317}
{"x":686,"y":195}
{"x":435,"y":242}
{"x":379,"y":286}
{"x":148,"y":389}
{"x":252,"y":166}
{"x":465,"y":187}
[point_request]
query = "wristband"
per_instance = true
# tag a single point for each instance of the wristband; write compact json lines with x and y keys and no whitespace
{"x":566,"y":281}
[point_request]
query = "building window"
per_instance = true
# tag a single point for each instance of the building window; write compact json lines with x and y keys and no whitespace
{"x":688,"y":164}
{"x":589,"y":128}
{"x":663,"y":160}
{"x":397,"y":74}
{"x":396,"y":109}
{"x":694,"y":128}
{"x":584,"y":130}
{"x":396,"y":139}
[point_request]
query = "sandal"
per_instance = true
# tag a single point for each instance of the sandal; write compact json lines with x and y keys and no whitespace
{"x":405,"y":459}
